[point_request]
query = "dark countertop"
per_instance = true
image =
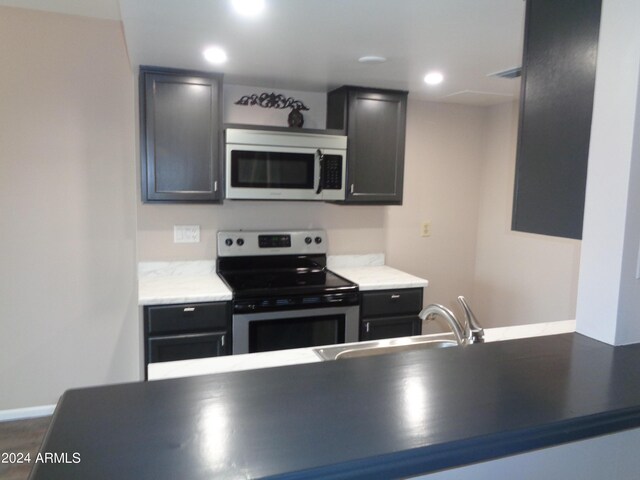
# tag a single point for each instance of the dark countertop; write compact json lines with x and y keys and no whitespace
{"x":379,"y":417}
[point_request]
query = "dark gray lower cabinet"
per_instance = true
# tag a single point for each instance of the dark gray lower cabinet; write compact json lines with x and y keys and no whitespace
{"x":374,"y":121}
{"x":186,"y":331}
{"x":181,"y":146}
{"x":390,"y":313}
{"x":558,"y":78}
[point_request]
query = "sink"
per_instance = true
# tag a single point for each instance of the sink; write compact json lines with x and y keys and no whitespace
{"x":380,"y":347}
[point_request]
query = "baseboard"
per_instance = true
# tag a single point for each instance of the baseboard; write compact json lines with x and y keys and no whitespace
{"x":30,"y":412}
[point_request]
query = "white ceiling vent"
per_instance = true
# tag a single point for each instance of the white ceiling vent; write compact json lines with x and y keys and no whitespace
{"x":510,"y":73}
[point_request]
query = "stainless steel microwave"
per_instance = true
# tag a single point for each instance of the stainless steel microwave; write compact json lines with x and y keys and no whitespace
{"x":273,"y":165}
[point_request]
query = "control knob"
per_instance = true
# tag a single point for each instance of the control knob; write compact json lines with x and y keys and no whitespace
{"x":240,"y":242}
{"x":318,"y":239}
{"x":228,"y":242}
{"x":308,"y":240}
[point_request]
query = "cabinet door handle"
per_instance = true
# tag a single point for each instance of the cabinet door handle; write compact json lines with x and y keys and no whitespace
{"x":215,"y":186}
{"x":351,"y":189}
{"x":222,"y":341}
{"x":366,"y":327}
{"x":189,"y":309}
{"x":395,"y":296}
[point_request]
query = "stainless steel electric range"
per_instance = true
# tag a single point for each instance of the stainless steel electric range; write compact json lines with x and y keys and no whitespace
{"x":283,"y":294}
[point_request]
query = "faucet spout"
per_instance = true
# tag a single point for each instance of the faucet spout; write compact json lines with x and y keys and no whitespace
{"x":474,"y":333}
{"x":468,"y":332}
{"x":436,"y":309}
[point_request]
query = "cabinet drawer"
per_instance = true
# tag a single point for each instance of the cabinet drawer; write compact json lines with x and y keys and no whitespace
{"x":187,"y":317}
{"x":391,"y":302}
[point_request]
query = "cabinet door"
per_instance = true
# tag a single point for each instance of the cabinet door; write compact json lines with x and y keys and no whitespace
{"x":170,"y":348}
{"x":181,"y":138}
{"x":186,"y":331}
{"x":375,"y":122}
{"x":558,"y":79}
{"x":390,"y":327}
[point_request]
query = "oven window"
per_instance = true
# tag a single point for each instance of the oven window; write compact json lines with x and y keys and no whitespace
{"x":272,"y":169}
{"x":282,"y":334}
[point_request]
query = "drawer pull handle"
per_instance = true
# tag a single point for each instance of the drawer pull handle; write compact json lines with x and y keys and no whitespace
{"x":189,"y":309}
{"x":395,"y":296}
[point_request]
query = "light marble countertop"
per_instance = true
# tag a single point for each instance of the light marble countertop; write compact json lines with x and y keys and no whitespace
{"x":251,"y":361}
{"x":380,"y":278}
{"x":163,"y":283}
{"x":371,"y":273}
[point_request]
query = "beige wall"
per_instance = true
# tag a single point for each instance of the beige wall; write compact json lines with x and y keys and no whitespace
{"x":349,"y":229}
{"x":442,"y":166}
{"x":68,"y":315}
{"x":519,"y":277}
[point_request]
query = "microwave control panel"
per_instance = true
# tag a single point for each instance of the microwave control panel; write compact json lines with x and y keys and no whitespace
{"x":332,"y":172}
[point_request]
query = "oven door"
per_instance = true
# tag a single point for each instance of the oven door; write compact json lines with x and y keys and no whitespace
{"x":281,"y":330}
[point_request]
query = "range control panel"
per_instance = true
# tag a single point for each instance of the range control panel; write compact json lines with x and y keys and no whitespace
{"x":244,"y":243}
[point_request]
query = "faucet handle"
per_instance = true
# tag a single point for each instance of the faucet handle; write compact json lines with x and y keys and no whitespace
{"x":474,"y":332}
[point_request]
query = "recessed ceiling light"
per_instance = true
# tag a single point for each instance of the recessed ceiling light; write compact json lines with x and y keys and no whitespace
{"x":433,"y":78}
{"x":248,"y":8}
{"x":215,"y":55}
{"x":372,"y":59}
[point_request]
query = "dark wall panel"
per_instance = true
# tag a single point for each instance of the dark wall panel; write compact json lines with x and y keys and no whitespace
{"x":559,"y":65}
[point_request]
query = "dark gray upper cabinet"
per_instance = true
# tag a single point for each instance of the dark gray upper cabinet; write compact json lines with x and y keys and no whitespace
{"x":181,"y":147}
{"x":559,"y":64}
{"x":374,"y":121}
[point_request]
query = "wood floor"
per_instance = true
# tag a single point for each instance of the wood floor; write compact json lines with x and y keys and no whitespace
{"x":22,"y":437}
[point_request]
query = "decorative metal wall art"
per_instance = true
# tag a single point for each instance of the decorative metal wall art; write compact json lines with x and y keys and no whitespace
{"x":278,"y":101}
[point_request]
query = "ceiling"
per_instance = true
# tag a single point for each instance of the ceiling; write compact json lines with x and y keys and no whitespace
{"x":314,"y":44}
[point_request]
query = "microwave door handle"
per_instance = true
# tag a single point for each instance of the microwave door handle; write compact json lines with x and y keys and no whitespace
{"x":321,"y":171}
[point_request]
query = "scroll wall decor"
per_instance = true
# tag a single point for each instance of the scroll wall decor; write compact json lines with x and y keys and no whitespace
{"x":278,"y":101}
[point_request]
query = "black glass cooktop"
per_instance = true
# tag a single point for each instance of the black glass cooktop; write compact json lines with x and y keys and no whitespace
{"x":293,"y":276}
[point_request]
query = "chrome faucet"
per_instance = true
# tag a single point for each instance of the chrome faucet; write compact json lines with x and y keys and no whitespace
{"x":474,"y":332}
{"x":470,"y":332}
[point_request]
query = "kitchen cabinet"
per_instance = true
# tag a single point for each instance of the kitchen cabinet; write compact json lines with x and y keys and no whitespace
{"x":186,"y":331}
{"x":558,"y":78}
{"x":374,"y":121}
{"x":390,"y":313}
{"x":181,"y":147}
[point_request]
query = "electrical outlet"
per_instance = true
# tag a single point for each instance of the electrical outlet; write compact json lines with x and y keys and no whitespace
{"x":186,"y":233}
{"x":425,"y":229}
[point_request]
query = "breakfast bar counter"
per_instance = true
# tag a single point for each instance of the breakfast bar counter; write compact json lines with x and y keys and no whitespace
{"x":384,"y":416}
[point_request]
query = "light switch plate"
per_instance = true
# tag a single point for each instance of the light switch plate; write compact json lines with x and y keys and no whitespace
{"x":186,"y":233}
